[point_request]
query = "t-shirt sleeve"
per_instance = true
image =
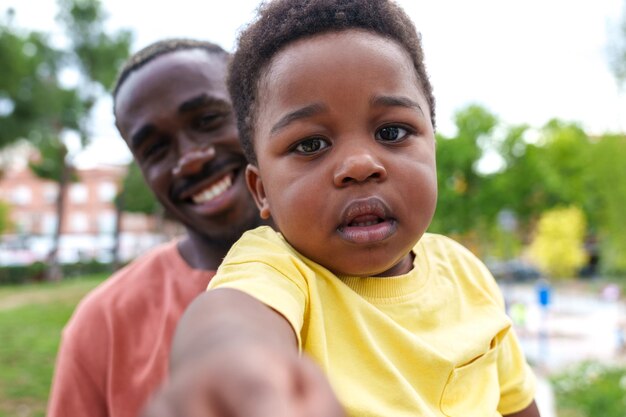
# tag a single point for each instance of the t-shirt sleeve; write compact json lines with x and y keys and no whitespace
{"x":78,"y":382}
{"x":270,"y":287}
{"x":268,"y":271}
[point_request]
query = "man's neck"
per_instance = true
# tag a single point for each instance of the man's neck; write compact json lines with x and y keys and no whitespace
{"x":201,"y":253}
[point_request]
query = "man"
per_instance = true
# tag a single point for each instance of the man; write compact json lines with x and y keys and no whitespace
{"x":173,"y":110}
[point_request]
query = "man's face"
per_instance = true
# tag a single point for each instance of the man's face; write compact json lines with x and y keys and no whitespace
{"x":176,"y":116}
{"x":346,"y":152}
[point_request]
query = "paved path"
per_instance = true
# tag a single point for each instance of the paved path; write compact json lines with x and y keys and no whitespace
{"x":545,"y":398}
{"x":576,"y":326}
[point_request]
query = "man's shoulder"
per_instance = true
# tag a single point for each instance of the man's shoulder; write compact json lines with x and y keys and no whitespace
{"x":128,"y":283}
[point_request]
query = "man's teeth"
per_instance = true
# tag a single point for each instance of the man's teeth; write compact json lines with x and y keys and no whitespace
{"x":213,"y":191}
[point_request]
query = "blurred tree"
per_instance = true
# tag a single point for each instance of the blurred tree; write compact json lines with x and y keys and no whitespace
{"x":557,"y":246}
{"x":36,"y":105}
{"x":564,"y":163}
{"x":99,"y":55}
{"x":33,"y":102}
{"x":460,"y":204}
{"x":134,"y":197}
{"x":52,"y":164}
{"x":551,"y":170}
{"x":5,"y":220}
{"x":617,"y":49}
{"x":607,"y":199}
{"x":137,"y":196}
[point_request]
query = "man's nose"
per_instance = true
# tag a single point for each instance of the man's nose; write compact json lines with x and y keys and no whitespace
{"x":358,"y":167}
{"x":192,"y":160}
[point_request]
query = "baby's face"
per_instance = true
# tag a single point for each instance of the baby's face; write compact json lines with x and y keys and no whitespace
{"x":346,"y":152}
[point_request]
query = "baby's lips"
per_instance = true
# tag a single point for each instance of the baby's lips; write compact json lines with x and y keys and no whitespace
{"x":362,"y":210}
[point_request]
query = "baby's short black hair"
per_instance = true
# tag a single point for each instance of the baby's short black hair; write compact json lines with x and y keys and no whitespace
{"x":155,"y":50}
{"x":281,"y":22}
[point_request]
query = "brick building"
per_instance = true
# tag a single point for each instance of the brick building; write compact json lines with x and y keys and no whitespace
{"x":89,"y":219}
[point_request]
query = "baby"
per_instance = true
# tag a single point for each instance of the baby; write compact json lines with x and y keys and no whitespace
{"x":336,"y":116}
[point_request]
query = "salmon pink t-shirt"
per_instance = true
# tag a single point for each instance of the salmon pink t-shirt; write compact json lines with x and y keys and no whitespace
{"x":115,"y":349}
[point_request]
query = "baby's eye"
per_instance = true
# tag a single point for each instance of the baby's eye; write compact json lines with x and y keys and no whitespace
{"x":310,"y":146}
{"x":391,"y":134}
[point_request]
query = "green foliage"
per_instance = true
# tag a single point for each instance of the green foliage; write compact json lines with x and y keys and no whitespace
{"x":557,"y":247}
{"x":564,"y":163}
{"x":460,"y":200}
{"x":607,"y":195}
{"x":17,"y":274}
{"x":35,"y":104}
{"x":52,"y":161}
{"x":5,"y":220}
{"x":591,"y":389}
{"x":99,"y":54}
{"x":31,"y":321}
{"x":136,"y":196}
{"x":22,"y":274}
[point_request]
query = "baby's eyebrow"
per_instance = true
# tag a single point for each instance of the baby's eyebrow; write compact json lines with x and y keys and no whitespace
{"x":389,"y":101}
{"x":301,"y":113}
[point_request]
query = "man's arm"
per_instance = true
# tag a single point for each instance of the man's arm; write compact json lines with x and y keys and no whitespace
{"x":234,"y":356}
{"x":530,"y":411}
{"x":80,"y":361}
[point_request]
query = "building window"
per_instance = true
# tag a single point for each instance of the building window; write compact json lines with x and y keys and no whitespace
{"x":24,"y":224}
{"x":107,"y":191}
{"x":78,"y":193}
{"x":79,"y":222}
{"x":49,"y":224}
{"x":106,"y":222}
{"x":21,"y":195}
{"x":50,"y":193}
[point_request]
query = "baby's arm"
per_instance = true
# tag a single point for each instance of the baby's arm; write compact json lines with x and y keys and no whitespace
{"x":234,"y":356}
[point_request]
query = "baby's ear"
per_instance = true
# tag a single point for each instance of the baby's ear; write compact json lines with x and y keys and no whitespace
{"x":255,"y":185}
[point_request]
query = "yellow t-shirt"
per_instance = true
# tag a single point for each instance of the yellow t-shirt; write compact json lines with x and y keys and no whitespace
{"x":433,"y":342}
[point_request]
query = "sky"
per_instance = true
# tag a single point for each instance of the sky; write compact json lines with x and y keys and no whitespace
{"x":526,"y":61}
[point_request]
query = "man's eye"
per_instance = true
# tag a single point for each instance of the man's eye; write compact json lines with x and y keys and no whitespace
{"x":310,"y":146}
{"x":391,"y":134}
{"x":154,"y":149}
{"x":208,"y":121}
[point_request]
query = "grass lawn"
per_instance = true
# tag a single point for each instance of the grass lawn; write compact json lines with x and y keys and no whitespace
{"x":31,"y":320}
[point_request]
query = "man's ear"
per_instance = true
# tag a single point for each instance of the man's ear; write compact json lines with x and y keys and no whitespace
{"x":255,"y":185}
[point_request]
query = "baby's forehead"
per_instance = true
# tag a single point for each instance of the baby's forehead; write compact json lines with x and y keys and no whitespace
{"x":336,"y":40}
{"x":326,"y":47}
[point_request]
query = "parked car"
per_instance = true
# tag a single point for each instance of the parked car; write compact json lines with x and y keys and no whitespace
{"x":514,"y":270}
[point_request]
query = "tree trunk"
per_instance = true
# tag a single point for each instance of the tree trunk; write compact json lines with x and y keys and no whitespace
{"x":117,"y":232}
{"x":53,"y":272}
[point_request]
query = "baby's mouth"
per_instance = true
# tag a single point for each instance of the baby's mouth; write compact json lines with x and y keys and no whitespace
{"x":367,"y":221}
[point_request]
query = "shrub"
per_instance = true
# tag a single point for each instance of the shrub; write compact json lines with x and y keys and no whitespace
{"x":557,"y":247}
{"x":35,"y":272}
{"x":591,"y":389}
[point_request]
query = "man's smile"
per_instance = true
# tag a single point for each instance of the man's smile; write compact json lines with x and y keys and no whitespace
{"x":213,"y":180}
{"x":213,"y":190}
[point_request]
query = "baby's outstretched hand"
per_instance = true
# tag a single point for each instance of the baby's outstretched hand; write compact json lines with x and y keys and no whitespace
{"x":247,"y":381}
